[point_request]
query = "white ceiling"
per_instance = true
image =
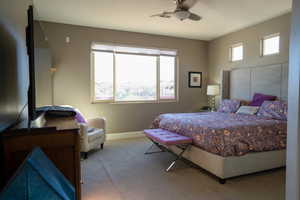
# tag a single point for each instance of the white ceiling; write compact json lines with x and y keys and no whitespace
{"x":219,"y":16}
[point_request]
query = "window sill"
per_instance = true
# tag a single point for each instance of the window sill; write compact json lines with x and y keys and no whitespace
{"x":135,"y":102}
{"x":235,"y":61}
{"x":272,"y":54}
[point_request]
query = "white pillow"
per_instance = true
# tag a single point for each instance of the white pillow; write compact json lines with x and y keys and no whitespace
{"x":250,"y":110}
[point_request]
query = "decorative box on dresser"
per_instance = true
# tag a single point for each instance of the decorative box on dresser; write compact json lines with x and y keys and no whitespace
{"x":58,"y":138}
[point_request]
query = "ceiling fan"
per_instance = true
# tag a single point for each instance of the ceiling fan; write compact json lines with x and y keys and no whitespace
{"x":182,"y":11}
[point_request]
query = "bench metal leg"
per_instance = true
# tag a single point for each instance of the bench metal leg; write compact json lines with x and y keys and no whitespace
{"x":152,"y":152}
{"x":183,"y":148}
{"x":171,"y":166}
{"x":179,"y":156}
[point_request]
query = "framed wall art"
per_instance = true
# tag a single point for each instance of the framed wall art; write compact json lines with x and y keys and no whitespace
{"x":195,"y":79}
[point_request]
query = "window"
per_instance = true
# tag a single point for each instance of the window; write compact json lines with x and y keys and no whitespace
{"x":131,"y":74}
{"x":135,"y":78}
{"x":104,"y":79}
{"x":167,"y":77}
{"x":236,"y":52}
{"x":270,"y":44}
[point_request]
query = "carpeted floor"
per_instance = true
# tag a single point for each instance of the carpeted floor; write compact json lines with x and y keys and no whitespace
{"x":122,"y":172}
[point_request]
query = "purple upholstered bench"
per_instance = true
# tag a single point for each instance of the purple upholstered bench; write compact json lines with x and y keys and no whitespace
{"x":161,"y":138}
{"x":166,"y":137}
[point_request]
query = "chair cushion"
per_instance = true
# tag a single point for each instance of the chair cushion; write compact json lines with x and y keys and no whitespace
{"x":95,"y":134}
{"x":166,"y":137}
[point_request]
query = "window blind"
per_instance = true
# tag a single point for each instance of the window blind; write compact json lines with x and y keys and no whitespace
{"x":133,"y":50}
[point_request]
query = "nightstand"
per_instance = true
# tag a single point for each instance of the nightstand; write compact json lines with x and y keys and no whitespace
{"x":205,"y":109}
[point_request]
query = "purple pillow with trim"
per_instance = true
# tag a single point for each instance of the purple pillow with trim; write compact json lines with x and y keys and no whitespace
{"x":79,"y":117}
{"x":258,"y":99}
{"x":274,"y":109}
{"x":229,"y":106}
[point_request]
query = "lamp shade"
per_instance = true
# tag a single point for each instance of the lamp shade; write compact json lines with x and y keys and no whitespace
{"x":213,"y":90}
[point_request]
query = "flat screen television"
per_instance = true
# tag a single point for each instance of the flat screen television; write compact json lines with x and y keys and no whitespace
{"x":22,"y":76}
{"x":14,"y":79}
{"x":30,"y":51}
{"x":39,"y":58}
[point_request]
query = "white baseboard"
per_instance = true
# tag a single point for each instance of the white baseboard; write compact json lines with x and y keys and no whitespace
{"x":125,"y":135}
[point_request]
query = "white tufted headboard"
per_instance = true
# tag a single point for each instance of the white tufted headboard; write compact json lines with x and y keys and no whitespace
{"x":242,"y":83}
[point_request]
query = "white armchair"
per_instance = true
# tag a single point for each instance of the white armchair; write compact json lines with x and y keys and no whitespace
{"x":92,"y":135}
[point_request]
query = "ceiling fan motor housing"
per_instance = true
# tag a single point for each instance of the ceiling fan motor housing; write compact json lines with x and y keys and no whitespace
{"x":182,"y":14}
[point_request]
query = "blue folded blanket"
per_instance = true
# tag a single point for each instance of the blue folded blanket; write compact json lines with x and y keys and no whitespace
{"x":56,"y":111}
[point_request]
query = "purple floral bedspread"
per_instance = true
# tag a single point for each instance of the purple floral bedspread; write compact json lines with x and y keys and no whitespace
{"x":227,"y":134}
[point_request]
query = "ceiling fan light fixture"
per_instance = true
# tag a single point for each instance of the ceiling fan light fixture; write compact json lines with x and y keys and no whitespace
{"x":181,"y":11}
{"x":182,"y":15}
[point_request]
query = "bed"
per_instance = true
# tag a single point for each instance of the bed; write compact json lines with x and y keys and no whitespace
{"x":228,"y":144}
{"x":227,"y":134}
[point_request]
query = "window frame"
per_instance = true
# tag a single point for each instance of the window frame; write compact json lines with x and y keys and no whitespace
{"x":114,"y":101}
{"x":262,"y":44}
{"x":231,"y":52}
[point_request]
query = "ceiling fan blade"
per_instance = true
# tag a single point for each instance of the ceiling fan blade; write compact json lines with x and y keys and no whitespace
{"x":194,"y":17}
{"x":156,"y":15}
{"x":168,"y":13}
{"x":163,"y":14}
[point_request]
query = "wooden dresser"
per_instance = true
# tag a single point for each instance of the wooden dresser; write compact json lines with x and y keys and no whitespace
{"x":59,"y":139}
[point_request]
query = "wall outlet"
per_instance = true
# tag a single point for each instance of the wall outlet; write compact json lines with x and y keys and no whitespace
{"x":68,"y":40}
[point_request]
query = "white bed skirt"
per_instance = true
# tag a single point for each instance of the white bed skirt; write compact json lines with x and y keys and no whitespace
{"x":227,"y":167}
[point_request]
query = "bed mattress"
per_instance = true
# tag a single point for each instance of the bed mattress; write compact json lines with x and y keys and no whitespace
{"x":227,"y":134}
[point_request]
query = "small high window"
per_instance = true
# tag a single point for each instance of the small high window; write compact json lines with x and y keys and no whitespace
{"x":236,"y":52}
{"x":270,"y":45}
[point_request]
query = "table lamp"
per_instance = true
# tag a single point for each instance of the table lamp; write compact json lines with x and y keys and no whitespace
{"x":53,"y":70}
{"x":212,"y":92}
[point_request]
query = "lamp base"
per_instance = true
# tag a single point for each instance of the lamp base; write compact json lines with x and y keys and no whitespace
{"x":212,"y":103}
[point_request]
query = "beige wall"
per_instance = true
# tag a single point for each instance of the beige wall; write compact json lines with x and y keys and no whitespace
{"x":219,"y":48}
{"x":72,"y":80}
{"x":44,"y":61}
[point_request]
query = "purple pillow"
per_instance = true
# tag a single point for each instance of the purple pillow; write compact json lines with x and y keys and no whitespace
{"x":258,"y":99}
{"x":229,"y":106}
{"x":274,"y":109}
{"x":79,"y":117}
